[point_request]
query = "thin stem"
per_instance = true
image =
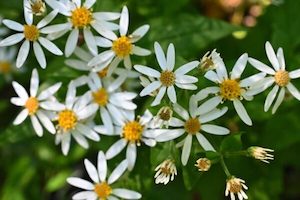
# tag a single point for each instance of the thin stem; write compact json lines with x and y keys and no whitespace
{"x":224,"y":167}
{"x":237,"y":153}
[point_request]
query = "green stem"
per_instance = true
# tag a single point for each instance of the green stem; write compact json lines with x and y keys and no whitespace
{"x":225,"y":167}
{"x":237,"y":153}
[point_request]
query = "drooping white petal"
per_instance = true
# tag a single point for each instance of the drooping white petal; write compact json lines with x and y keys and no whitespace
{"x":270,"y":98}
{"x":50,"y":46}
{"x":118,"y":172}
{"x":71,"y":42}
{"x":80,"y":183}
{"x":52,"y":105}
{"x":126,"y":194}
{"x":212,"y":115}
{"x":279,"y":100}
{"x":172,"y":94}
{"x":106,"y":119}
{"x":202,"y":94}
{"x":88,"y":132}
{"x":104,"y":31}
{"x":107,"y":16}
{"x":34,"y":83}
{"x":47,"y":123}
{"x":20,"y":90}
{"x":186,"y":149}
{"x":50,"y":91}
{"x":23,"y":53}
{"x":80,"y":139}
{"x":136,"y":50}
{"x":90,"y":41}
{"x":116,"y":148}
{"x":239,"y":66}
{"x":159,"y":96}
{"x":102,"y":58}
{"x":39,"y":54}
{"x":21,"y":117}
{"x":139,"y":33}
{"x":18,"y":101}
{"x":87,"y":111}
{"x":220,"y":66}
{"x":272,"y":56}
{"x":293,"y":90}
{"x":186,"y":79}
{"x":36,"y":125}
{"x":53,"y":29}
{"x":103,"y":42}
{"x":91,"y":170}
{"x":204,"y":142}
{"x":241,"y":111}
{"x":175,"y":122}
{"x":65,"y":143}
{"x":181,"y":111}
{"x":131,"y":155}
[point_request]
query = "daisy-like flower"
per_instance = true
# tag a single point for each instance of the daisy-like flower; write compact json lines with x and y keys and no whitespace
{"x":278,"y":76}
{"x":193,"y":123}
{"x":81,"y":17}
{"x":261,"y":153}
{"x":72,"y":118}
{"x":133,"y":131}
{"x":35,"y":105}
{"x":231,"y":88}
{"x":166,"y":80}
{"x":163,"y":116}
{"x":165,"y":172}
{"x":34,"y":7}
{"x":101,"y":186}
{"x":7,"y":62}
{"x":203,"y":164}
{"x":32,"y":34}
{"x":120,"y":47}
{"x":109,"y":100}
{"x":235,"y":186}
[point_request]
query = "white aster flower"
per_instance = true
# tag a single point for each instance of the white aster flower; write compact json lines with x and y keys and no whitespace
{"x":34,"y":7}
{"x":163,"y":117}
{"x":72,"y":118}
{"x":166,"y":80}
{"x":165,"y":172}
{"x":109,"y":100}
{"x":194,"y":122}
{"x":32,"y":34}
{"x":278,"y":76}
{"x":203,"y":164}
{"x":261,"y":153}
{"x":133,"y":131}
{"x":101,"y":185}
{"x":235,"y":186}
{"x":230,"y":88}
{"x":35,"y":105}
{"x":207,"y":62}
{"x":120,"y":47}
{"x":81,"y":17}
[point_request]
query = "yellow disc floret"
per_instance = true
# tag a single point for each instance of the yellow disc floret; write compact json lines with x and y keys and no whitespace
{"x":167,"y":78}
{"x":5,"y":67}
{"x":67,"y":120}
{"x":31,"y":32}
{"x":38,"y":7}
{"x":103,"y":190}
{"x":230,"y":89}
{"x":132,"y":131}
{"x":192,"y":126}
{"x":32,"y":105}
{"x":81,"y":17}
{"x":235,"y":186}
{"x":100,"y":97}
{"x":282,"y":78}
{"x":103,"y":72}
{"x":122,"y":46}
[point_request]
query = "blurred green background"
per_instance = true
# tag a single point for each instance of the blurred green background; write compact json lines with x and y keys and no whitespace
{"x":34,"y":168}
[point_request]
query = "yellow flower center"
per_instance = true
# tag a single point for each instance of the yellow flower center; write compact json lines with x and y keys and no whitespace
{"x":81,"y":17}
{"x":203,"y":164}
{"x":192,"y":126}
{"x":122,"y":46}
{"x":100,"y":97}
{"x":5,"y":67}
{"x":235,"y":186}
{"x":103,"y":190}
{"x":38,"y":7}
{"x":132,"y":131}
{"x":103,"y":72}
{"x":282,"y":78}
{"x":32,"y":105}
{"x":165,"y":113}
{"x":67,"y":120}
{"x":31,"y":32}
{"x":167,"y":78}
{"x":230,"y":89}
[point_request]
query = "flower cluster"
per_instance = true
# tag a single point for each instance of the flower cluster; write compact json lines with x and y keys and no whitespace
{"x":104,"y":78}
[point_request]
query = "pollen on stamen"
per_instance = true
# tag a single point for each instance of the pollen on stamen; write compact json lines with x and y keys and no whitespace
{"x":31,"y":32}
{"x":122,"y":46}
{"x":100,"y":97}
{"x":103,"y":190}
{"x":81,"y":17}
{"x":230,"y":89}
{"x":192,"y":126}
{"x":67,"y":120}
{"x":132,"y":131}
{"x":167,"y":78}
{"x":282,"y":78}
{"x":32,"y":105}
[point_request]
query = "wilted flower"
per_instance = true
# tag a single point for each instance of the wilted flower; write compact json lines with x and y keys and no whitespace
{"x":203,"y":164}
{"x":163,"y":116}
{"x":261,"y":153}
{"x":235,"y":186}
{"x":35,"y":7}
{"x":165,"y":172}
{"x":207,"y":62}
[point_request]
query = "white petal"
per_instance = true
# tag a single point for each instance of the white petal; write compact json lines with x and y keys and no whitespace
{"x":248,"y":82}
{"x":88,"y":132}
{"x":116,"y":148}
{"x":202,"y":94}
{"x":52,"y":105}
{"x":102,"y":166}
{"x":91,"y":170}
{"x":50,"y":91}
{"x":140,"y":51}
{"x":126,"y":194}
{"x":87,"y":111}
{"x":85,"y":195}
{"x":172,"y":94}
{"x":71,"y":42}
{"x":187,"y":67}
{"x":36,"y":125}
{"x":21,"y":117}
{"x":270,"y":98}
{"x":124,"y":21}
{"x":294,"y":74}
{"x":104,"y":31}
{"x":209,"y":105}
{"x":65,"y":143}
{"x":28,"y":15}
{"x":186,"y":79}
{"x":118,"y":172}
{"x":186,"y":149}
{"x":89,"y":3}
{"x":80,"y":139}
{"x":214,"y":129}
{"x":160,"y":56}
{"x":212,"y":76}
{"x":107,"y":16}
{"x":293,"y":90}
{"x":50,"y":46}
{"x":18,"y":101}
{"x":101,"y":58}
{"x":34,"y":83}
{"x":241,"y":111}
{"x":279,"y":100}
{"x":106,"y":119}
{"x":159,"y":96}
{"x":280,"y":57}
{"x":170,"y":135}
{"x":175,"y":122}
{"x":47,"y":123}
{"x":131,"y":155}
{"x":150,"y":88}
{"x":271,"y":56}
{"x":239,"y":66}
{"x":103,"y":42}
{"x":90,"y":41}
{"x":20,"y":90}
{"x":171,"y":57}
{"x":13,"y":25}
{"x":261,"y":66}
{"x":186,"y":86}
{"x":147,"y":71}
{"x":46,"y":20}
{"x":23,"y":53}
{"x":212,"y":115}
{"x":11,"y":40}
{"x":53,"y":29}
{"x":204,"y":142}
{"x":181,"y":111}
{"x":39,"y":54}
{"x":139,"y":33}
{"x":80,"y":183}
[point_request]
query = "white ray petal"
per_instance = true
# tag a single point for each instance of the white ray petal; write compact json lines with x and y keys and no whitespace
{"x":241,"y":111}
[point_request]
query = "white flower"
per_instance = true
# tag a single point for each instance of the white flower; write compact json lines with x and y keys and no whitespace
{"x":194,"y":121}
{"x":261,"y":153}
{"x":31,"y":33}
{"x":165,"y":172}
{"x":163,"y":117}
{"x":101,"y":185}
{"x":109,"y":100}
{"x":207,"y":62}
{"x":166,"y":79}
{"x":72,"y":119}
{"x":81,"y":17}
{"x":7,"y":63}
{"x":35,"y":105}
{"x":203,"y":164}
{"x":120,"y":47}
{"x":278,"y":76}
{"x":34,"y":7}
{"x":133,"y":132}
{"x":230,"y":88}
{"x":235,"y":186}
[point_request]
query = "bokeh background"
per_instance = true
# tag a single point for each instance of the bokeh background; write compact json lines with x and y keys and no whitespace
{"x":33,"y":168}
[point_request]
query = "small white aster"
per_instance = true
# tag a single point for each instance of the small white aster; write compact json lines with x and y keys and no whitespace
{"x":278,"y":76}
{"x":120,"y":47}
{"x":166,"y":80}
{"x":230,"y":88}
{"x":193,"y":122}
{"x":132,"y":131}
{"x":101,"y":185}
{"x":165,"y":172}
{"x":235,"y":186}
{"x":81,"y":17}
{"x":32,"y":34}
{"x":34,"y":7}
{"x":8,"y":63}
{"x":207,"y":62}
{"x":35,"y":105}
{"x":72,"y":119}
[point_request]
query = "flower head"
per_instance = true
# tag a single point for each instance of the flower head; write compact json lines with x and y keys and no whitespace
{"x":203,"y":164}
{"x":34,"y":7}
{"x":235,"y":186}
{"x":207,"y":63}
{"x":165,"y":172}
{"x":163,"y":116}
{"x":261,"y":153}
